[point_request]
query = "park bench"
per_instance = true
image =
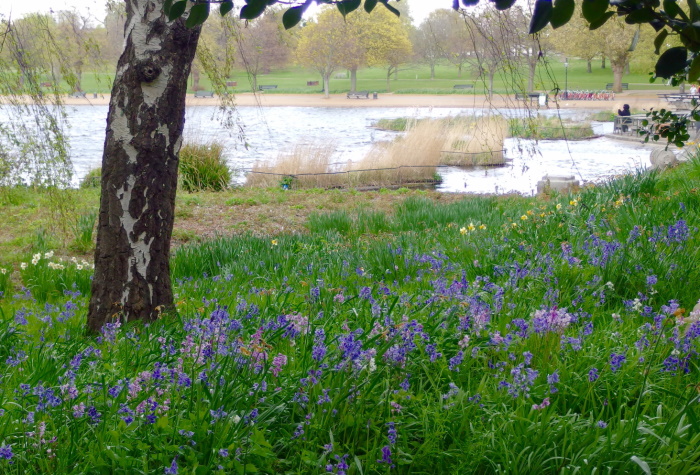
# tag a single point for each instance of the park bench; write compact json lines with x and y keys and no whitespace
{"x":312,"y":83}
{"x":46,"y":84}
{"x":463,"y":86}
{"x":203,"y":94}
{"x":533,"y":97}
{"x":78,"y":94}
{"x":358,"y":95}
{"x":268,"y":87}
{"x":625,"y":86}
{"x":231,"y":83}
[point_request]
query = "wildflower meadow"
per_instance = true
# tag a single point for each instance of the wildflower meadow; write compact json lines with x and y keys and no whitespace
{"x":491,"y":335}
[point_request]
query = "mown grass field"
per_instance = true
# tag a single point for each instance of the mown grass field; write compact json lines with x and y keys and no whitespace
{"x":415,"y":79}
{"x":476,"y":335}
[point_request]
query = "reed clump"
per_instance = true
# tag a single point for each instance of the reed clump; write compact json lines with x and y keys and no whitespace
{"x":203,"y":167}
{"x":411,"y":158}
{"x":307,"y":165}
{"x":474,"y":141}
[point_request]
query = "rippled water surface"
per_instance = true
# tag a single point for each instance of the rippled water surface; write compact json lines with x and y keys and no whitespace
{"x":269,"y":130}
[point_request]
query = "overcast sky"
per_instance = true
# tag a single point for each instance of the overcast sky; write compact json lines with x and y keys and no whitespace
{"x":419,"y":8}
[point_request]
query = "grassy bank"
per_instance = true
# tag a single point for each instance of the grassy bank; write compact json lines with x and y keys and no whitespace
{"x":412,"y":79}
{"x":479,"y":335}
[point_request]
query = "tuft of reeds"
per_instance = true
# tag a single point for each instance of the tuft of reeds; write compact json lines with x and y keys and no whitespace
{"x":549,"y":128}
{"x":307,"y":165}
{"x":474,"y":141}
{"x":203,"y":167}
{"x":411,"y":158}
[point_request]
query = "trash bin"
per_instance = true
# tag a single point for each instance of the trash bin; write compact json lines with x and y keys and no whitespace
{"x":94,"y":96}
{"x":374,"y":95}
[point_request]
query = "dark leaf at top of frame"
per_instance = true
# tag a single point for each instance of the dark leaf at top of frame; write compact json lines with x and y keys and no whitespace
{"x":601,"y":21}
{"x":369,"y":5}
{"x":644,"y":15}
{"x":562,"y":12}
{"x":671,"y":8}
{"x":503,"y":4}
{"x":390,"y":8}
{"x":253,"y":9}
{"x":671,"y":62}
{"x":347,"y":6}
{"x":659,"y":40}
{"x":592,"y":10}
{"x":177,"y":9}
{"x":198,"y":15}
{"x":541,"y":15}
{"x":292,"y":16}
{"x":225,"y":7}
{"x":694,"y":71}
{"x":466,"y":3}
{"x":690,"y":37}
{"x":166,"y":6}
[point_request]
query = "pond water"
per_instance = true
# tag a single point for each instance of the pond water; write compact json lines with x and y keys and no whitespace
{"x":269,"y":130}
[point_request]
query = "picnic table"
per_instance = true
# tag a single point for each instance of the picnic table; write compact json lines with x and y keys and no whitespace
{"x":203,"y":94}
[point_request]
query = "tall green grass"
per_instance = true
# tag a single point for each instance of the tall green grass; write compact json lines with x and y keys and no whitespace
{"x":203,"y":167}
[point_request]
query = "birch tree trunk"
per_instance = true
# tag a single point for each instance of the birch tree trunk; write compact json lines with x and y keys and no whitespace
{"x":139,"y":167}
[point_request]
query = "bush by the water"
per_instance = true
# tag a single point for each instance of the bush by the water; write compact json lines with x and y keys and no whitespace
{"x":92,"y":178}
{"x":491,"y":335}
{"x":203,"y":167}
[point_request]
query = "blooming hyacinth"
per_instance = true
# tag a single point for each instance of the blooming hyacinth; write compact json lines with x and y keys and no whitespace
{"x":616,"y":361}
{"x":6,"y":452}
{"x":551,"y":320}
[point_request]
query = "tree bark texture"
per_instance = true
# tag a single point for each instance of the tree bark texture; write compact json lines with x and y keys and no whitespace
{"x":139,"y":168}
{"x":618,"y":70}
{"x":353,"y":80}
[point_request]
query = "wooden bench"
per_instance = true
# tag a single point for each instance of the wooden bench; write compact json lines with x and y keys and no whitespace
{"x":533,"y":97}
{"x":267,"y":87}
{"x":231,"y":83}
{"x":312,"y":83}
{"x":46,"y":84}
{"x":203,"y":94}
{"x":625,"y":86}
{"x":358,"y":95}
{"x":78,"y":94}
{"x":463,"y":86}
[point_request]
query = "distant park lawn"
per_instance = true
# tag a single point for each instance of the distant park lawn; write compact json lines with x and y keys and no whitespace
{"x":414,"y":79}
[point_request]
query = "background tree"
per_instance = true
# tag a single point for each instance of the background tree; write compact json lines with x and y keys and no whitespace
{"x":576,"y":39}
{"x":496,"y":43}
{"x":261,"y":46}
{"x":388,"y":46}
{"x":431,"y":41}
{"x":322,"y":47}
{"x":78,"y":45}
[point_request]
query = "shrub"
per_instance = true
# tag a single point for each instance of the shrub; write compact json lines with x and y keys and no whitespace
{"x":92,"y":178}
{"x":203,"y":167}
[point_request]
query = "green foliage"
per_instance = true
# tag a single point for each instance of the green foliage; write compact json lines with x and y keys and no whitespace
{"x":83,"y":230}
{"x":92,"y":179}
{"x":550,"y":128}
{"x":203,"y":168}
